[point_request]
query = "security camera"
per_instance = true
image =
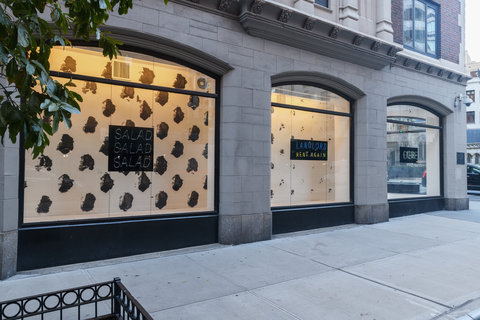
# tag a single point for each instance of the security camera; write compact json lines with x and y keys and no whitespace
{"x":467,"y":101}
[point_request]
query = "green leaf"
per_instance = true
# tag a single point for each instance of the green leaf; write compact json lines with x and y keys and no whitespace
{"x":46,"y":104}
{"x":30,"y":68}
{"x":23,"y":36}
{"x":52,"y":107}
{"x":69,"y":108}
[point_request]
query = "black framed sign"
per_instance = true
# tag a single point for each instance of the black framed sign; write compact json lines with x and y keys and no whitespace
{"x":408,"y":155}
{"x":130,"y":148}
{"x":308,"y":150}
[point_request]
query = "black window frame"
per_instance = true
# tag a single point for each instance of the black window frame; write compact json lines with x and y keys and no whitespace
{"x":436,"y":7}
{"x":112,"y":220}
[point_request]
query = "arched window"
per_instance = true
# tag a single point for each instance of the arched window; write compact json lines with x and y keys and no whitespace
{"x":477,"y":158}
{"x":469,"y":158}
{"x":413,"y":152}
{"x":310,"y":146}
{"x":142,"y":145}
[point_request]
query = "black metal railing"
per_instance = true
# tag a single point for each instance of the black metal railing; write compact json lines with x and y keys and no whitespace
{"x":106,"y":300}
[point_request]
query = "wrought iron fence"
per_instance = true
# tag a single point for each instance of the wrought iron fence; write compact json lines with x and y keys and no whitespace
{"x":106,"y":300}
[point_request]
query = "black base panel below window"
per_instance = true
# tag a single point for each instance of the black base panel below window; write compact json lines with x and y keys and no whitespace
{"x":60,"y":245}
{"x":298,"y":219}
{"x":400,"y":208}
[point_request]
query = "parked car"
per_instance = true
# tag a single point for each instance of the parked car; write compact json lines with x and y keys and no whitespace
{"x":473,"y":177}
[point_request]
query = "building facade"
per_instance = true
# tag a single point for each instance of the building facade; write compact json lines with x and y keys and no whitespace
{"x":472,"y":114}
{"x":229,"y":121}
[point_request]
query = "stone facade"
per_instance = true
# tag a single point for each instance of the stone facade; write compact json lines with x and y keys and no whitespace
{"x":257,"y":63}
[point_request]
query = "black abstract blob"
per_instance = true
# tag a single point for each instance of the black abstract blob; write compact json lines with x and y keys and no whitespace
{"x":194,"y":132}
{"x":129,"y":123}
{"x":205,"y":118}
{"x":202,"y":83}
{"x":162,"y":130}
{"x":177,"y":150}
{"x":138,"y":98}
{"x":205,"y":183}
{"x":193,"y":199}
{"x":88,"y":202}
{"x":107,"y":72}
{"x":194,"y":102}
{"x":178,"y":115}
{"x":180,"y":82}
{"x":126,"y":201}
{"x":143,"y":182}
{"x":160,"y":165}
{"x":106,"y":183}
{"x":44,"y":205}
{"x":147,"y":76}
{"x":177,"y":182}
{"x":192,"y":165}
{"x":86,"y":162}
{"x":292,"y":192}
{"x":45,"y":162}
{"x":104,"y":147}
{"x":65,"y":183}
{"x":125,"y":173}
{"x":161,"y":199}
{"x":145,"y":110}
{"x":272,"y":138}
{"x":272,"y":166}
{"x":25,"y":184}
{"x":127,"y":92}
{"x":66,"y":144}
{"x":271,"y":194}
{"x":205,"y":151}
{"x":162,"y":97}
{"x":90,"y":86}
{"x":108,"y":108}
{"x":90,"y":126}
{"x":282,"y":151}
{"x":69,"y":65}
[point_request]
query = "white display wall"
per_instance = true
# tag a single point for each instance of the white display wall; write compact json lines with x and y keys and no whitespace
{"x":71,"y":179}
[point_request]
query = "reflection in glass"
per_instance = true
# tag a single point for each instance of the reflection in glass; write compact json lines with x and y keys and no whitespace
{"x":420,"y":32}
{"x":431,"y":31}
{"x":408,"y":23}
{"x":413,"y":155}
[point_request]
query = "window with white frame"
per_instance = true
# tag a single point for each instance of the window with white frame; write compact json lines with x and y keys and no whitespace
{"x":420,"y":26}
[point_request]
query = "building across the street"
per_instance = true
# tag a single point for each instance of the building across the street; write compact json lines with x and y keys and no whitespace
{"x":229,"y":121}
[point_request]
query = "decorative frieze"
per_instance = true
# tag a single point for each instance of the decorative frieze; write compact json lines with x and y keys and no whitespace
{"x":257,"y":6}
{"x":334,"y":32}
{"x":357,"y":40}
{"x":284,"y":16}
{"x":309,"y":24}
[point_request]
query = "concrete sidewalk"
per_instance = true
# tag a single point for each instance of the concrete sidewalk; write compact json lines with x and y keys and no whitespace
{"x":419,"y":267}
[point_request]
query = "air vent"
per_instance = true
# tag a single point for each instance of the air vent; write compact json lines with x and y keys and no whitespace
{"x":121,"y":70}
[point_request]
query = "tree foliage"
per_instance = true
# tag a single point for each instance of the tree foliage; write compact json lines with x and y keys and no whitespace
{"x":31,"y":101}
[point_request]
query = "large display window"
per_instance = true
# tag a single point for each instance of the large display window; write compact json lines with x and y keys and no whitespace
{"x":143,"y":144}
{"x":413,"y":152}
{"x":310,"y":146}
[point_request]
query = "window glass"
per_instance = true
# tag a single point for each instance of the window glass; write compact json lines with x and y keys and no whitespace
{"x":412,"y":114}
{"x":323,"y":3}
{"x":310,"y":157}
{"x":72,"y":179}
{"x":309,"y":97}
{"x":470,"y":116}
{"x":129,"y":67}
{"x":413,"y":157}
{"x":420,"y":32}
{"x":431,"y":30}
{"x":471,"y":94}
{"x":408,"y":23}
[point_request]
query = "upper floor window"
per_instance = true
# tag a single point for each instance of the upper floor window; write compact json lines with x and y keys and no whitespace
{"x":323,"y":3}
{"x":471,"y":94}
{"x":420,"y":25}
{"x":470,"y":116}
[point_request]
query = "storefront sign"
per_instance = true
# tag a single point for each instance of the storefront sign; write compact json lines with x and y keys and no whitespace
{"x":408,"y":155}
{"x":130,"y":149}
{"x":308,"y":150}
